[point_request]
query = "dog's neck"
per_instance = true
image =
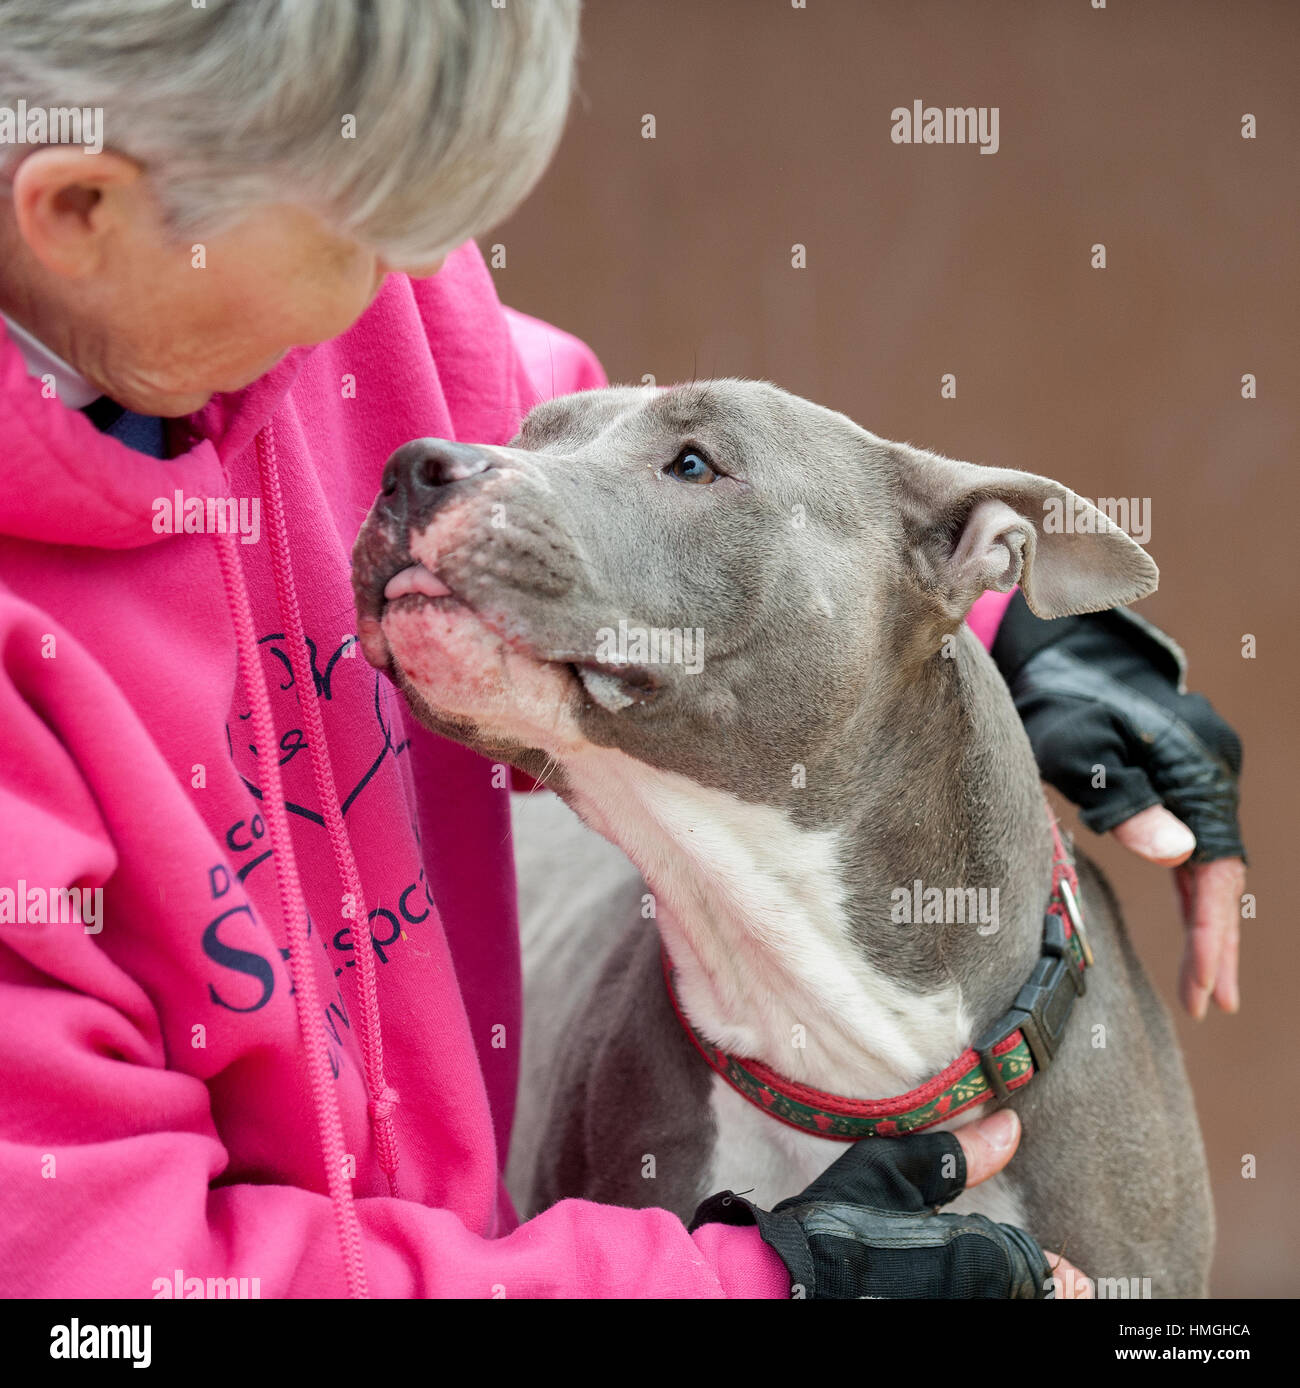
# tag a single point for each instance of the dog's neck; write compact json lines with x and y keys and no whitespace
{"x":791,"y":938}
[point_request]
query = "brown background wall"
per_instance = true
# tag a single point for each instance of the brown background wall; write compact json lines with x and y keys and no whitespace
{"x":1123,"y":126}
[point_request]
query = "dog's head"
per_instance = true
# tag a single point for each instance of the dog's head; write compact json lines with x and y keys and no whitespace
{"x":707,"y":577}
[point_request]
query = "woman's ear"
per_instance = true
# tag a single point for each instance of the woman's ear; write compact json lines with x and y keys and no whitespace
{"x":67,"y":205}
{"x":973,"y":528}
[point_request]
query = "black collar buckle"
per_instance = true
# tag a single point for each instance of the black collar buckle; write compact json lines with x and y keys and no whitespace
{"x":1041,"y":1009}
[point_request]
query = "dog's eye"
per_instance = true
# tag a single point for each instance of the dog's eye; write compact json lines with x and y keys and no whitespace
{"x":690,"y":465}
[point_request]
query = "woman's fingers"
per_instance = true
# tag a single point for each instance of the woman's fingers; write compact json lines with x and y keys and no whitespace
{"x":989,"y":1144}
{"x":1210,"y":896}
{"x":1157,"y":836}
{"x":1071,"y":1284}
{"x":1211,"y":899}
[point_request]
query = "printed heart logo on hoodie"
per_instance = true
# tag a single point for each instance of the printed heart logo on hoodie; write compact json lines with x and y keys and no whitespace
{"x":346,"y":677}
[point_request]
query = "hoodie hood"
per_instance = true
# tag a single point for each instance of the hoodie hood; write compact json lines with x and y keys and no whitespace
{"x":97,"y":492}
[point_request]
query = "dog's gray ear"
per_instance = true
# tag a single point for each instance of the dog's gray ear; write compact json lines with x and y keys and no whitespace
{"x":974,"y":528}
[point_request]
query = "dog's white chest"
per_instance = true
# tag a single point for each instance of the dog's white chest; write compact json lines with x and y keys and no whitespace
{"x":766,"y":1161}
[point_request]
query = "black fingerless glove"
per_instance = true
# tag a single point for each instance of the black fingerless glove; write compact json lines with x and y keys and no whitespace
{"x":1112,"y":728}
{"x":866,"y":1228}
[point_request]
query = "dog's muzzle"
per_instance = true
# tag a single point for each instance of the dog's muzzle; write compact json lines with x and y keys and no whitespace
{"x":417,"y":479}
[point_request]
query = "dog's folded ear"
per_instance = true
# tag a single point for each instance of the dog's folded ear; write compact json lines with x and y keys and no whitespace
{"x":973,"y":528}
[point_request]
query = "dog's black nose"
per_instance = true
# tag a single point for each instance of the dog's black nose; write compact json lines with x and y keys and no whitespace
{"x":417,"y":469}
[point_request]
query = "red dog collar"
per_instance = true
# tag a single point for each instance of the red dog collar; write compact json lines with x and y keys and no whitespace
{"x":1005,"y":1057}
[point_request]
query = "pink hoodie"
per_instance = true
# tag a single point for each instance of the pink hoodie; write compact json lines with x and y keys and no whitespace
{"x":194,"y":1087}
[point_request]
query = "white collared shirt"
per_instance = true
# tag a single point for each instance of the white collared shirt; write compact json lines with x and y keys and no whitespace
{"x":73,"y":389}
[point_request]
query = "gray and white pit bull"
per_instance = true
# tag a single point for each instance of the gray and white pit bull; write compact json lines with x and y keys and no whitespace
{"x":823,"y":730}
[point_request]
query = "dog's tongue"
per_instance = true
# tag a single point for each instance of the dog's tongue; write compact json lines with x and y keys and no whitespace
{"x":415,"y":579}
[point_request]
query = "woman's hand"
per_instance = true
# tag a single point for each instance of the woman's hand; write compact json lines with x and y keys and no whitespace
{"x":1114,"y":730}
{"x":1210,"y":897}
{"x":869,"y":1225}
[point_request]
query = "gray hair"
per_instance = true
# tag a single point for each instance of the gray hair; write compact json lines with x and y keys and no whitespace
{"x":456,"y":105}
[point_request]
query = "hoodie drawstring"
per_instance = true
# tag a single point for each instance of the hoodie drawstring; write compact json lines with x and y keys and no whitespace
{"x":383,"y":1097}
{"x":329,"y":1121}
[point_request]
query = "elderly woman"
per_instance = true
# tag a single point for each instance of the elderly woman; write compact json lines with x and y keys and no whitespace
{"x":224,"y":851}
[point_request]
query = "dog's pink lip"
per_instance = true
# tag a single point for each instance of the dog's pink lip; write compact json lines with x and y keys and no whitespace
{"x":411,"y":588}
{"x":415,"y":578}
